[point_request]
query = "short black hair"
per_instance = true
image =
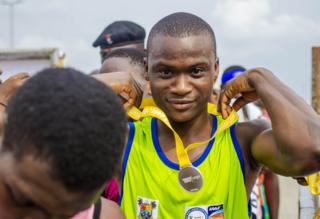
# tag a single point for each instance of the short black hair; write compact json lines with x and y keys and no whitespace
{"x":70,"y":120}
{"x":180,"y":25}
{"x":136,"y":56}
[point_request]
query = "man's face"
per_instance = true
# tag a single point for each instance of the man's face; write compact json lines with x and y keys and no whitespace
{"x":28,"y":191}
{"x":181,"y":73}
{"x":105,"y":52}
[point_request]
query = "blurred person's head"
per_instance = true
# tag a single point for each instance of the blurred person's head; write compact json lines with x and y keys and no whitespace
{"x":120,"y":34}
{"x":230,"y":73}
{"x":182,"y":65}
{"x":125,"y":60}
{"x":62,"y":141}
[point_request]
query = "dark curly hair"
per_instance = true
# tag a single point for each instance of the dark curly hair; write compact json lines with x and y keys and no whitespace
{"x":70,"y":120}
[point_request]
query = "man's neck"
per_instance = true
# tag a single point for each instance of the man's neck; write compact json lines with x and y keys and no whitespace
{"x":195,"y":130}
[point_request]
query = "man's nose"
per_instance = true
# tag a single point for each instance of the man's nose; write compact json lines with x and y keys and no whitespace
{"x":182,"y":85}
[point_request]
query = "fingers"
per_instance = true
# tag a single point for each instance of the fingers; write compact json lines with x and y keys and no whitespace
{"x":239,"y":103}
{"x":129,"y":96}
{"x":20,"y":76}
{"x":11,"y":85}
{"x":224,"y":103}
{"x":301,"y":180}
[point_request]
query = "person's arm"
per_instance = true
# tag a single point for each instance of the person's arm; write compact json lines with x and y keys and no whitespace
{"x":7,"y":90}
{"x":271,"y":185}
{"x":292,"y":147}
{"x":125,"y":86}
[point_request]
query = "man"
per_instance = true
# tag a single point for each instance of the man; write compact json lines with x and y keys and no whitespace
{"x":120,"y":34}
{"x":182,"y":66}
{"x":61,"y":144}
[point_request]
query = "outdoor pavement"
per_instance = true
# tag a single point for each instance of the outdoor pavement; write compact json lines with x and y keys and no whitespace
{"x":289,"y":198}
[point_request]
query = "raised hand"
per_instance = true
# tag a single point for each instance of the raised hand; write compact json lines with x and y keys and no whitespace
{"x":239,"y":89}
{"x":11,"y":85}
{"x":123,"y":84}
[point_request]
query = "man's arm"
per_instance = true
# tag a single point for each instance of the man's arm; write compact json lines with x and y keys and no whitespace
{"x":125,"y":86}
{"x":7,"y":90}
{"x":271,"y":185}
{"x":292,"y":147}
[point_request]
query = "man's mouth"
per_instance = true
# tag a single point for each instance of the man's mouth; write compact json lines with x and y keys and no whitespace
{"x":181,"y":104}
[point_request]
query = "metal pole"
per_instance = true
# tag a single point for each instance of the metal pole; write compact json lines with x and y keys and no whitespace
{"x":11,"y":4}
{"x":308,"y":202}
{"x":316,"y":79}
{"x":316,"y":102}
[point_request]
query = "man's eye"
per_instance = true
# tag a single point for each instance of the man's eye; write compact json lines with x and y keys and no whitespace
{"x":197,"y":71}
{"x":166,"y":73}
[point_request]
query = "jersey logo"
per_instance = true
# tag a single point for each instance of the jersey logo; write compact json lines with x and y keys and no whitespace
{"x":147,"y":208}
{"x":204,"y":212}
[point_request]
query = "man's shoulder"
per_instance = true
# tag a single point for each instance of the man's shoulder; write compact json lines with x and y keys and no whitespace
{"x":254,"y":126}
{"x":143,"y":125}
{"x":246,"y":133}
{"x":141,"y":130}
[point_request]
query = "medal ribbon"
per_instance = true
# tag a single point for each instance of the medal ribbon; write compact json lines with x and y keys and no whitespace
{"x":182,"y":152}
{"x":314,"y":183}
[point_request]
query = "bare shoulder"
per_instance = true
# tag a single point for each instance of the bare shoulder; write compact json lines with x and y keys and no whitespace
{"x":252,"y":128}
{"x":246,"y":134}
{"x":110,"y":210}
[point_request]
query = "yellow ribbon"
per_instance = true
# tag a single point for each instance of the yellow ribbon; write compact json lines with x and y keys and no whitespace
{"x":314,"y":183}
{"x":147,"y":101}
{"x":150,"y":110}
{"x":182,"y":152}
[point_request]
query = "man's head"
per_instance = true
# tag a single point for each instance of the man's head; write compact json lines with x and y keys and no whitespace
{"x":120,"y":34}
{"x":124,"y":60}
{"x":63,"y":139}
{"x":182,"y":65}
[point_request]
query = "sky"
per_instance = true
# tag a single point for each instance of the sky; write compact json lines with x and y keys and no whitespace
{"x":276,"y":34}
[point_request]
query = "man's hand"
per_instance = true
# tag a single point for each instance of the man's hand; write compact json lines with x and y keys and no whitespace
{"x":9,"y":87}
{"x":239,"y":88}
{"x":301,"y":181}
{"x":123,"y":84}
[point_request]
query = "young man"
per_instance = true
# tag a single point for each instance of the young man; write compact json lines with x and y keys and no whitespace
{"x":61,"y":143}
{"x":182,"y":66}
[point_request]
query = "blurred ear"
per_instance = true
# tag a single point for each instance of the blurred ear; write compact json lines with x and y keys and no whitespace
{"x":216,"y":70}
{"x":146,"y":75}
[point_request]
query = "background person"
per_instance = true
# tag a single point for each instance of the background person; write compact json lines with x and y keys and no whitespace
{"x":59,"y":149}
{"x":120,"y":34}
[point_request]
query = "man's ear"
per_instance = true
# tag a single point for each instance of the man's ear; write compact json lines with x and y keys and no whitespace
{"x":216,"y":69}
{"x":146,"y":75}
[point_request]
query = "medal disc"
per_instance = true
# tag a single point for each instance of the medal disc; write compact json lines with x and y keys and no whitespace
{"x":190,"y":178}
